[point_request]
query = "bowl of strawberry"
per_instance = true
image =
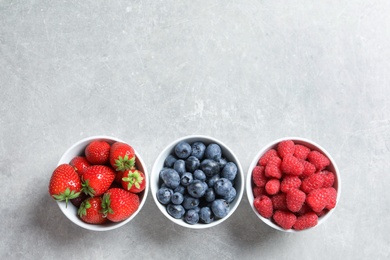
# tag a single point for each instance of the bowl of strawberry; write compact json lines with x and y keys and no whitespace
{"x":293,"y":184}
{"x":100,"y":183}
{"x":197,"y":182}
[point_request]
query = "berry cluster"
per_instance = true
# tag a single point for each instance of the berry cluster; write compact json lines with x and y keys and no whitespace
{"x":103,"y":183}
{"x":293,"y":186}
{"x":196,"y":183}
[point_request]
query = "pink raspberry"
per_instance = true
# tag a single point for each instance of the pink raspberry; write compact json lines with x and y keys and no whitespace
{"x":286,"y":147}
{"x":290,"y":182}
{"x":332,"y":195}
{"x":292,"y":165}
{"x":308,"y":168}
{"x":284,"y":219}
{"x":258,"y":191}
{"x":266,"y":156}
{"x":272,"y":186}
{"x":319,"y":160}
{"x":295,"y":199}
{"x":258,"y":176}
{"x":263,"y":205}
{"x":279,"y":201}
{"x":272,"y":170}
{"x":314,"y":181}
{"x":328,"y":178}
{"x":305,"y":221}
{"x":301,"y":151}
{"x":318,"y":199}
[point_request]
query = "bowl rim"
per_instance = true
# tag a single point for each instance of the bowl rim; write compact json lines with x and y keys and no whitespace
{"x":111,"y":225}
{"x":157,"y":167}
{"x":273,"y":144}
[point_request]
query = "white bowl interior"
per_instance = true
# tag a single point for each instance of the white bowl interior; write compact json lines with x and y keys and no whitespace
{"x":227,"y":153}
{"x":311,"y":145}
{"x":71,"y":211}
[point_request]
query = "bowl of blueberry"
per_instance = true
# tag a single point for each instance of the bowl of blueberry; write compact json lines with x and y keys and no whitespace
{"x":197,"y":182}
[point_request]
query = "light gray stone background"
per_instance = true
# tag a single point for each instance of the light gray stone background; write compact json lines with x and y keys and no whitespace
{"x":245,"y":72}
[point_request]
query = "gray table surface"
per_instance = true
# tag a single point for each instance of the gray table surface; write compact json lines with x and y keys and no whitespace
{"x":148,"y":72}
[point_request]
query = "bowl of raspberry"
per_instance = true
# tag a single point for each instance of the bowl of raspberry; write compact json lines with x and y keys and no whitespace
{"x":293,"y":184}
{"x":197,"y":182}
{"x":100,"y":183}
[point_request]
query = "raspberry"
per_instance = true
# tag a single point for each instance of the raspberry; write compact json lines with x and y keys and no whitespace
{"x":286,"y":147}
{"x":318,"y":199}
{"x":272,"y":170}
{"x":292,"y":165}
{"x":284,"y":219}
{"x":258,"y":176}
{"x":301,"y":151}
{"x":272,"y":186}
{"x":279,"y":201}
{"x":332,"y":195}
{"x":319,"y":160}
{"x":305,"y":221}
{"x":304,"y":209}
{"x":308,"y":168}
{"x":290,"y":182}
{"x":263,"y":205}
{"x":295,"y":199}
{"x":328,"y":178}
{"x":258,"y":191}
{"x":314,"y":181}
{"x":266,"y":156}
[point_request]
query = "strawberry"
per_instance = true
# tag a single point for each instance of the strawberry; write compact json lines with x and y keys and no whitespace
{"x":122,"y":156}
{"x":301,"y":151}
{"x":133,"y":180}
{"x":318,"y":199}
{"x":258,"y":176}
{"x":90,"y":211}
{"x":80,"y":163}
{"x":292,"y":165}
{"x":284,"y":219}
{"x":305,"y":221}
{"x":263,"y":205}
{"x":77,"y":201}
{"x":97,"y":180}
{"x":290,"y":182}
{"x":286,"y":147}
{"x":319,"y":160}
{"x":266,"y":156}
{"x":272,"y":186}
{"x":64,"y":183}
{"x":314,"y":181}
{"x":119,"y":204}
{"x":272,"y":169}
{"x":295,"y":199}
{"x":97,"y":152}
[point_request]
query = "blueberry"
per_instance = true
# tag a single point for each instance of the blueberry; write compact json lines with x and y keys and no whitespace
{"x":186,"y":179}
{"x":196,"y":189}
{"x":209,"y":195}
{"x":209,"y":167}
{"x":177,"y":198}
{"x":206,"y":215}
{"x":183,"y":150}
{"x":190,"y":202}
{"x":213,"y":180}
{"x":214,"y":152}
{"x":164,"y":195}
{"x":180,"y":189}
{"x":169,"y":161}
{"x":170,"y":177}
{"x":222,"y":186}
{"x":192,"y":163}
{"x":197,"y":209}
{"x":199,"y":175}
{"x":198,"y":150}
{"x":180,"y":166}
{"x":231,"y":195}
{"x":176,"y":211}
{"x":220,"y":208}
{"x":229,"y":171}
{"x":191,"y":217}
{"x":222,"y":162}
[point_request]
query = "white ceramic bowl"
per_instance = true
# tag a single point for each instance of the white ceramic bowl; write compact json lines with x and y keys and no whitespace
{"x":71,"y":211}
{"x":226,"y":153}
{"x":297,"y":140}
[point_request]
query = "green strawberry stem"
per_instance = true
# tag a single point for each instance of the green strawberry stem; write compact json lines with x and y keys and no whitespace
{"x":133,"y":178}
{"x":106,"y":205}
{"x":82,"y":211}
{"x":124,"y":163}
{"x":66,"y":195}
{"x":87,"y":189}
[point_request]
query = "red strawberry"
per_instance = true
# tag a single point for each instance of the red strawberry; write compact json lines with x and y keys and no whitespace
{"x":258,"y":191}
{"x":319,"y":160}
{"x":97,"y":180}
{"x":133,"y":180}
{"x":272,"y":186}
{"x":80,"y":163}
{"x":64,"y":183}
{"x":292,"y":165}
{"x":279,"y":201}
{"x":122,"y":156}
{"x":295,"y":199}
{"x":290,"y":182}
{"x":258,"y":176}
{"x":308,"y":169}
{"x":301,"y":151}
{"x":263,"y":205}
{"x":305,"y":221}
{"x":90,"y":211}
{"x":318,"y":199}
{"x":272,"y":170}
{"x":328,"y":177}
{"x":286,"y":147}
{"x":314,"y":181}
{"x":119,"y":204}
{"x":266,"y":156}
{"x":97,"y":152}
{"x":284,"y":219}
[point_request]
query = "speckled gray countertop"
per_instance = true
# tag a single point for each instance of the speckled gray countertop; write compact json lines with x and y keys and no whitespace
{"x":149,"y":72}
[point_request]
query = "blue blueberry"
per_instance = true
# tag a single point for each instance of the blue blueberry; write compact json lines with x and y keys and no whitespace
{"x":198,"y":150}
{"x":229,"y":171}
{"x":169,"y":161}
{"x":199,"y":175}
{"x":213,"y":151}
{"x":192,"y":163}
{"x":222,"y":186}
{"x":191,"y":217}
{"x":206,"y":215}
{"x":197,"y":209}
{"x":209,"y":167}
{"x":176,"y":211}
{"x":209,"y":196}
{"x":222,"y":163}
{"x":183,"y":150}
{"x":196,"y":189}
{"x":170,"y":177}
{"x":190,"y":202}
{"x":180,"y":189}
{"x":186,"y":179}
{"x":177,"y":198}
{"x":213,"y":180}
{"x":164,"y":195}
{"x":220,"y":208}
{"x":231,"y":195}
{"x":180,"y":166}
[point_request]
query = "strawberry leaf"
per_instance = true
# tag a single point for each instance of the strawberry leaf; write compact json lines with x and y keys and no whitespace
{"x":124,"y":163}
